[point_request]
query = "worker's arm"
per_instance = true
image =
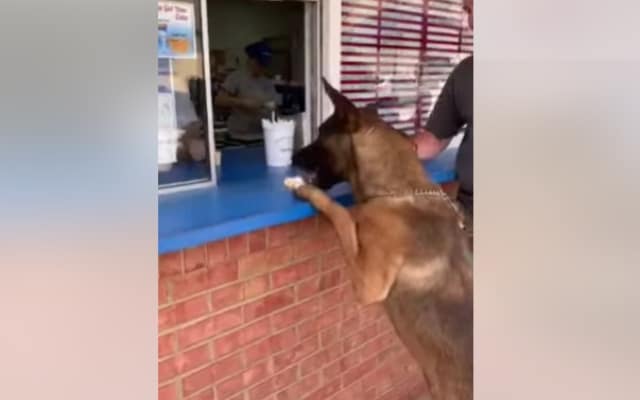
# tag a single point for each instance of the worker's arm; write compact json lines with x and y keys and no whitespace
{"x":444,"y":123}
{"x":228,"y":95}
{"x":428,"y":145}
{"x":224,"y":99}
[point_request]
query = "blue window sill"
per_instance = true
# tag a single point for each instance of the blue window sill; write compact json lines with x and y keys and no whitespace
{"x":249,"y":196}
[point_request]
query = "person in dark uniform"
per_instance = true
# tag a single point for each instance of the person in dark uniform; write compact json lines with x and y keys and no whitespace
{"x":452,"y":112}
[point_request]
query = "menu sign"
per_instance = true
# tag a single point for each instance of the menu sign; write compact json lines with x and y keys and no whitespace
{"x":176,"y":30}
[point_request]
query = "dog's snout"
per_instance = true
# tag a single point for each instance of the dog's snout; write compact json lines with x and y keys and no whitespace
{"x":304,"y":158}
{"x":297,"y":158}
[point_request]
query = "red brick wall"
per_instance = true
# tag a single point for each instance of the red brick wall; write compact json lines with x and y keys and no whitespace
{"x":270,"y":316}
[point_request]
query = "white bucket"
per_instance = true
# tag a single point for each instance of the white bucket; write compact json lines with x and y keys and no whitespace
{"x":278,"y":141}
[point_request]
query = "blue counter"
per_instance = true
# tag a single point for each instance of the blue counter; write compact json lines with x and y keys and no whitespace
{"x":249,"y":196}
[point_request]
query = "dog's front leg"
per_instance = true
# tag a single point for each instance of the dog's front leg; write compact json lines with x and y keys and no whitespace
{"x":372,"y":272}
{"x":338,"y":215}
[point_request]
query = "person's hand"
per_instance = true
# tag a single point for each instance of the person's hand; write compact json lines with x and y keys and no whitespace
{"x":250,"y":104}
{"x":427,"y":145}
{"x":197,"y":149}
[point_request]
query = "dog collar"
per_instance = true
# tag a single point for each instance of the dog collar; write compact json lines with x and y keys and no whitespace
{"x":437,"y":193}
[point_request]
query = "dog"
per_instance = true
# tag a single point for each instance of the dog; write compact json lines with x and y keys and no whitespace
{"x":402,"y":241}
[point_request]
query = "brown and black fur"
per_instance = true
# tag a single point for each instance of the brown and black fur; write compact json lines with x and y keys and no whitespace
{"x":405,"y":251}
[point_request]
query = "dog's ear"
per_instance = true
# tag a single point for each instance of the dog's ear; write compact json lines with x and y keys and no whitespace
{"x":371,"y":109}
{"x":345,"y":111}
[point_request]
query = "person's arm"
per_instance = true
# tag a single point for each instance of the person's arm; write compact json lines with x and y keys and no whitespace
{"x":228,"y":95}
{"x":444,"y":123}
{"x":224,"y":99}
{"x":428,"y":145}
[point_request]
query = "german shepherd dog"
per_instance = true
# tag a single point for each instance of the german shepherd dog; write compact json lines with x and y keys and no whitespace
{"x":402,"y":241}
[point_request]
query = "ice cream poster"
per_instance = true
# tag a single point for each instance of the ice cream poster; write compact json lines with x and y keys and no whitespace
{"x":176,"y":30}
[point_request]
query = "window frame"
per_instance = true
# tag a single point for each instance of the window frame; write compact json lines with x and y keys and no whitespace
{"x":180,"y":187}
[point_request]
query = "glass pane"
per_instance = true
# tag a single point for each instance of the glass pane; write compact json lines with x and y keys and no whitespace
{"x":258,"y":68}
{"x":183,"y":148}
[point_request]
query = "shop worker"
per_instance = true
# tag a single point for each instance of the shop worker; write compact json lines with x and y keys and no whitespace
{"x":249,"y":93}
{"x":453,"y":111}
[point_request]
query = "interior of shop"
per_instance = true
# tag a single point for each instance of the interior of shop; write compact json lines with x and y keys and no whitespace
{"x":257,"y":56}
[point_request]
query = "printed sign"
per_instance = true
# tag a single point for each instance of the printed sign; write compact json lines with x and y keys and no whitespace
{"x":165,"y":76}
{"x":176,"y":30}
{"x":166,"y":111}
{"x":166,"y":101}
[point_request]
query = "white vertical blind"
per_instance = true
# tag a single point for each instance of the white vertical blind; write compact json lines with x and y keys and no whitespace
{"x":398,"y":54}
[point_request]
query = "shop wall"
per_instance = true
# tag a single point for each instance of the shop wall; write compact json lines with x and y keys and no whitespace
{"x":270,"y":315}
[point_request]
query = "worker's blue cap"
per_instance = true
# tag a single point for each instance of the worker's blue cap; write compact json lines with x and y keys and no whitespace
{"x":261,"y":52}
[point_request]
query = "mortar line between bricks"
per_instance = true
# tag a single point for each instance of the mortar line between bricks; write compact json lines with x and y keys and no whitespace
{"x":184,"y":374}
{"x":172,"y":301}
{"x":246,"y":389}
{"x":226,"y":248}
{"x":244,"y":302}
{"x":395,"y":387}
{"x":196,"y":394}
{"x":315,"y":296}
{"x":352,"y":351}
{"x":362,"y":378}
{"x":206,"y":255}
{"x":168,"y":382}
{"x":239,"y":352}
{"x":208,"y":364}
{"x":303,"y":321}
{"x":179,"y":377}
{"x":342,"y":355}
{"x":363,"y":361}
{"x":277,"y":392}
{"x":379,"y":368}
{"x":295,"y":304}
{"x":218,"y":335}
{"x":366,"y":341}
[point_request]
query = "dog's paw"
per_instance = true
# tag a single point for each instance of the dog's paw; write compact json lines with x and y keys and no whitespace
{"x":293,"y":183}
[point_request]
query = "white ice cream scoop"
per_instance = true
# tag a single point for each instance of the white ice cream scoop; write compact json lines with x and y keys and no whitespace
{"x":293,"y":182}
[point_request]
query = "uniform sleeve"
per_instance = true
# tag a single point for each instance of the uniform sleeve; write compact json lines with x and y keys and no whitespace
{"x":445,"y":120}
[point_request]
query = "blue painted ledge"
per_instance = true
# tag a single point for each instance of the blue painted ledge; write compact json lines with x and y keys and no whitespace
{"x":249,"y":196}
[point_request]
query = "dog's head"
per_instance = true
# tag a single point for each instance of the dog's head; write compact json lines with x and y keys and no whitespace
{"x":329,"y":159}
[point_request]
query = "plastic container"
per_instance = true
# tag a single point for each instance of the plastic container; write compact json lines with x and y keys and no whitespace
{"x":278,"y":141}
{"x":168,"y":141}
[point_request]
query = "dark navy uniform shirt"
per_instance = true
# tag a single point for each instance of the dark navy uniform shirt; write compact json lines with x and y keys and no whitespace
{"x":453,"y":111}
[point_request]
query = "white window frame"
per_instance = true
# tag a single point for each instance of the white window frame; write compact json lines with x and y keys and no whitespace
{"x":331,"y":15}
{"x":210,"y":116}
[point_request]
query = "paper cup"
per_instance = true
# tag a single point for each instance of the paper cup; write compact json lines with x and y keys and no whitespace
{"x":278,"y":142}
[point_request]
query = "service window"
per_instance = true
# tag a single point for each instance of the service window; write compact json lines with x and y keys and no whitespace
{"x":248,"y":60}
{"x":262,"y":63}
{"x":224,"y":65}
